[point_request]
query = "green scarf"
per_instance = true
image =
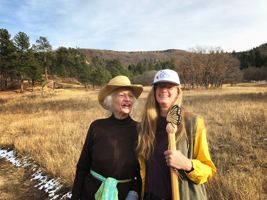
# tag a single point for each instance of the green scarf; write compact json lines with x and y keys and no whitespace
{"x":108,"y":189}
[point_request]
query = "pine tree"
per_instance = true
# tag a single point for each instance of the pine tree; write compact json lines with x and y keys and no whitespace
{"x":114,"y":72}
{"x":101,"y":78}
{"x":129,"y":74}
{"x":64,"y":56}
{"x":132,"y":68}
{"x":61,"y":71}
{"x":35,"y":71}
{"x":139,"y":68}
{"x":44,"y":47}
{"x":259,"y":61}
{"x":22,"y":43}
{"x":6,"y":52}
{"x":85,"y":76}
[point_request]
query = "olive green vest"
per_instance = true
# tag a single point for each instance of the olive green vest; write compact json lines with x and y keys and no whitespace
{"x":188,"y":189}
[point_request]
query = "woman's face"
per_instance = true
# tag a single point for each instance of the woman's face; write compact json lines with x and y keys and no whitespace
{"x":166,"y":93}
{"x":122,"y":102}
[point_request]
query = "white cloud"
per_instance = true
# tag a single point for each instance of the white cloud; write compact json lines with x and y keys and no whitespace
{"x":139,"y":25}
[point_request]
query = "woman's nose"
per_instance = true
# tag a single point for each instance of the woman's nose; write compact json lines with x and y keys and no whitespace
{"x":164,"y":89}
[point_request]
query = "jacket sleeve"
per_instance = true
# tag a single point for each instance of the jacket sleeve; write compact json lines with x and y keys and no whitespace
{"x":142,"y":174}
{"x":83,"y":167}
{"x":203,"y":167}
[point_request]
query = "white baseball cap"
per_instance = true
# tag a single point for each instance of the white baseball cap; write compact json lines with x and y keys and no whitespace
{"x":166,"y":76}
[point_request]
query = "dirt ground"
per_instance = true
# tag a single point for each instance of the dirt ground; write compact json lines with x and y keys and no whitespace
{"x":16,"y":184}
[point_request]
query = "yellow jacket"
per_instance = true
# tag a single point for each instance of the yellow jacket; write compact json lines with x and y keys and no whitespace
{"x":202,"y":164}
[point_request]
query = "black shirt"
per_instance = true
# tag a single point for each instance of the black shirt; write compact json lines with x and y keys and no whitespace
{"x":158,"y":178}
{"x":109,"y":150}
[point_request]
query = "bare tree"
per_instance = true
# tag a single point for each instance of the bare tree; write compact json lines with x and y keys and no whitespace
{"x":208,"y":67}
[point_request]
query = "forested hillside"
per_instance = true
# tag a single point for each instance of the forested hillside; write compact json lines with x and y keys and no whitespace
{"x":128,"y":58}
{"x":253,"y":63}
{"x":201,"y":67}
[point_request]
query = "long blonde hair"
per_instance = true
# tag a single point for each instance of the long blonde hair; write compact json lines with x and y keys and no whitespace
{"x":148,"y":125}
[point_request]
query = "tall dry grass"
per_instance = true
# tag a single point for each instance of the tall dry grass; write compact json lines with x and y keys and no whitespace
{"x":235,"y":118}
{"x":52,"y":130}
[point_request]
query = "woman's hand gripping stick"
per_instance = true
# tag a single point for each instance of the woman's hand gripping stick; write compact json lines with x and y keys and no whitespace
{"x":173,"y":118}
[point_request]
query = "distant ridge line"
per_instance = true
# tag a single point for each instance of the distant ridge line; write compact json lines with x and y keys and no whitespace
{"x":133,"y":57}
{"x":154,"y":51}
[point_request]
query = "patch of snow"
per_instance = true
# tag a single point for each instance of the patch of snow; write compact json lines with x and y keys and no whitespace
{"x":68,"y":195}
{"x":262,"y":81}
{"x":50,"y":186}
{"x":9,"y":156}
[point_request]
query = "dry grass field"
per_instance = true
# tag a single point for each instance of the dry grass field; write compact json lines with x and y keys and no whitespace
{"x":52,"y":129}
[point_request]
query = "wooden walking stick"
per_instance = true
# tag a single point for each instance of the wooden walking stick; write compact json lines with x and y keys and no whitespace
{"x":173,"y":118}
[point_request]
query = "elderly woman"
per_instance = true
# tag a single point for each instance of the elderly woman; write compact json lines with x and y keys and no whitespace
{"x":191,"y":159}
{"x":108,"y":168}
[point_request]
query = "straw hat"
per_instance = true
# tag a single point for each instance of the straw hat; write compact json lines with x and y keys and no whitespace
{"x":117,"y":82}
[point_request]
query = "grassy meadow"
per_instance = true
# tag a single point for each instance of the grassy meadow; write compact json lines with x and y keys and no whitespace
{"x":52,"y":129}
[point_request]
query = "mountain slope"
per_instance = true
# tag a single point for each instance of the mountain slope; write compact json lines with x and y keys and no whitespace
{"x":128,"y":58}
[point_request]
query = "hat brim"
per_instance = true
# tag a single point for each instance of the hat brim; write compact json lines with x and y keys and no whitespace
{"x":165,"y":81}
{"x":108,"y":89}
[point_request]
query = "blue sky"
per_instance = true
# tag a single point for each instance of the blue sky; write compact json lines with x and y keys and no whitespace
{"x":135,"y":25}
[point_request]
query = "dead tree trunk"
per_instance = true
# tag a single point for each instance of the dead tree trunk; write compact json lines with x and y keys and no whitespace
{"x":21,"y":84}
{"x":43,"y":89}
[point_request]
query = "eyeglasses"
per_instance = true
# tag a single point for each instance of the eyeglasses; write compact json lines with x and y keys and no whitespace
{"x":161,"y":87}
